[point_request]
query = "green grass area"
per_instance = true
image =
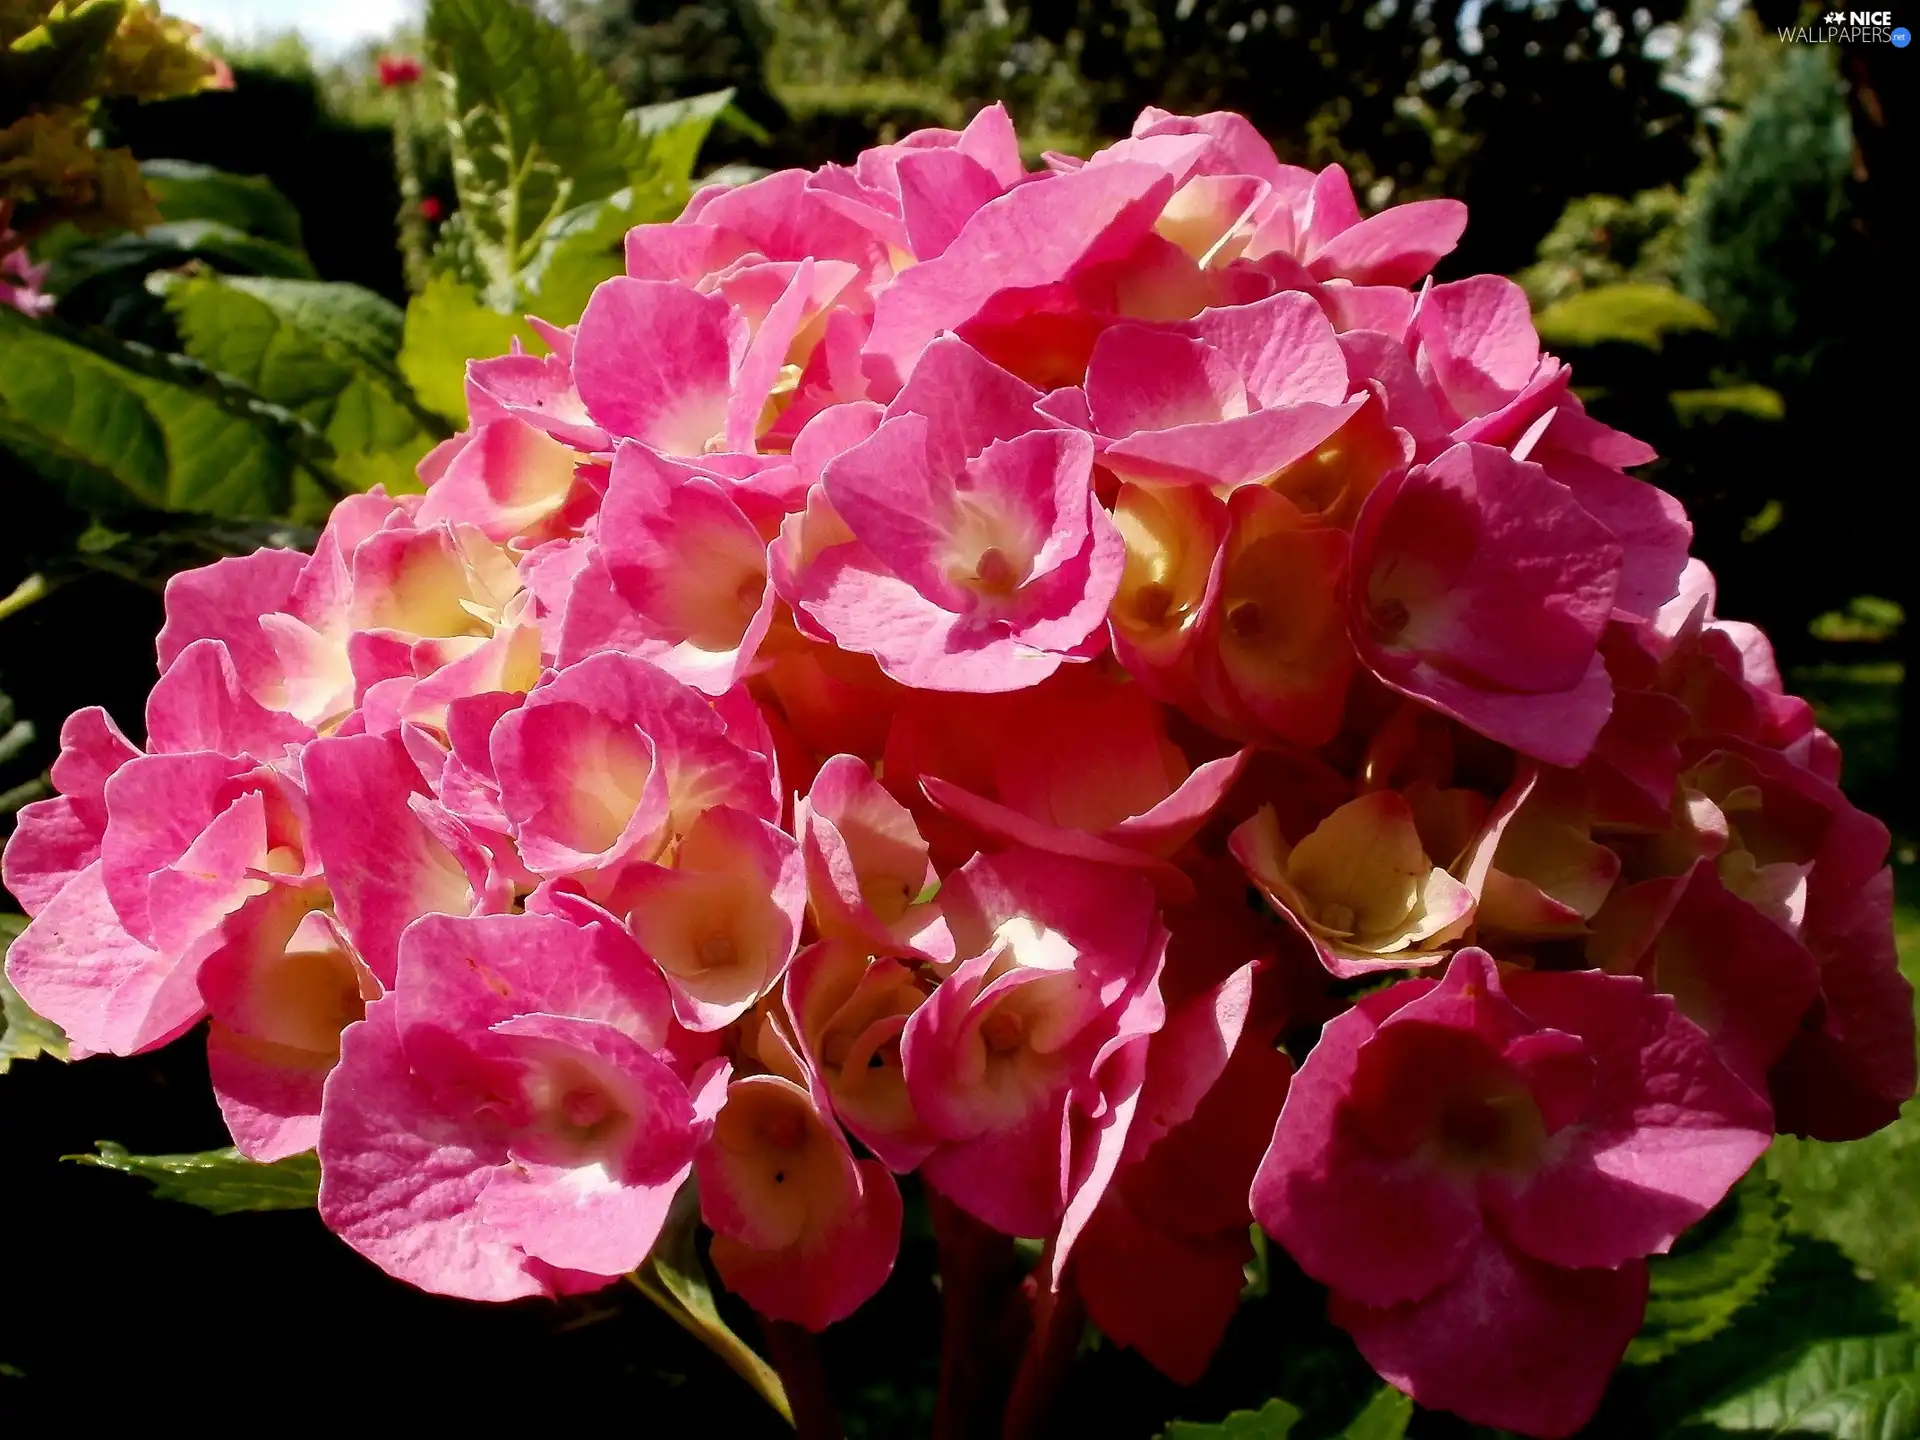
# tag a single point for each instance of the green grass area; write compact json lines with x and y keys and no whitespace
{"x":1865,"y":1195}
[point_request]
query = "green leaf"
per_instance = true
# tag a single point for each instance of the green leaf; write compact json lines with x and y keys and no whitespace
{"x":115,"y":438}
{"x":328,"y":352}
{"x":23,"y":1034}
{"x":1385,"y":1417}
{"x":1272,"y":1421}
{"x":1630,"y":312}
{"x":223,"y":1181}
{"x":676,"y":129}
{"x":1817,"y":1294}
{"x":185,"y":190}
{"x":584,"y":247}
{"x":535,"y":130}
{"x":1863,"y":1388}
{"x":674,"y":1279}
{"x":1721,"y":1265}
{"x":172,"y":244}
{"x":447,"y":326}
{"x":1756,"y":402}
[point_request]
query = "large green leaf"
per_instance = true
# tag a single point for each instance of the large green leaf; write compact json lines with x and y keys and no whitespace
{"x":23,"y":1034}
{"x":1630,"y":312}
{"x":328,"y":352}
{"x":583,"y":248}
{"x":1816,"y":1294}
{"x":1272,"y":1421}
{"x":1862,"y":1388}
{"x":1723,"y":1264}
{"x":447,"y":326}
{"x":535,"y":130}
{"x":184,"y":190}
{"x":674,"y":131}
{"x":172,"y":244}
{"x":223,"y":1181}
{"x":116,"y":437}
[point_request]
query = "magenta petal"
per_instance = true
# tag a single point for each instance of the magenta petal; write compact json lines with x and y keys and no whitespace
{"x":51,"y":844}
{"x":1033,"y":235}
{"x":939,"y":192}
{"x":654,"y":360}
{"x":834,"y":1275}
{"x":1168,"y":1296}
{"x":385,"y":867}
{"x":157,"y":806}
{"x":600,"y":1215}
{"x":1321,"y":1187}
{"x":199,"y":704}
{"x":461,"y":974}
{"x":1399,"y":246}
{"x":401,"y":1178}
{"x":1282,"y":347}
{"x":269,"y":1095}
{"x":77,"y":965}
{"x":224,"y":601}
{"x":1664,"y":1136}
{"x":1510,"y":1343}
{"x":1239,"y":451}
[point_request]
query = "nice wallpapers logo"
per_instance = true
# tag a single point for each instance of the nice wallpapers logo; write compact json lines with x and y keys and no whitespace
{"x":1849,"y":26}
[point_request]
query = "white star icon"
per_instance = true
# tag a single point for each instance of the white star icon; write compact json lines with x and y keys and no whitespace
{"x":1834,"y":17}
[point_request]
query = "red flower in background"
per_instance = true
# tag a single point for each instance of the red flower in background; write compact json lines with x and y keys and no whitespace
{"x":431,"y":210}
{"x":399,"y":70}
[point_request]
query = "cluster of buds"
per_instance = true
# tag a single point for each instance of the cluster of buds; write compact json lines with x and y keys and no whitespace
{"x":967,"y":671}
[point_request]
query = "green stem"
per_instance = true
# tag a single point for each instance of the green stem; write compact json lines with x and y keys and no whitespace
{"x":708,"y":1330}
{"x":414,"y":243}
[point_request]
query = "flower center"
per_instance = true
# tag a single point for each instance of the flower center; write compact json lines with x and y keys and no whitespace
{"x":717,"y":951}
{"x":1390,"y":616}
{"x":1003,"y":1031}
{"x":994,"y":573}
{"x":1152,"y":603}
{"x":1245,"y":619}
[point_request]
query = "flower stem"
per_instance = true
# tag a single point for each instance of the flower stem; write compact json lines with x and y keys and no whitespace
{"x":414,"y":242}
{"x":1059,"y":1317}
{"x":981,"y":1322}
{"x":796,"y":1355}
